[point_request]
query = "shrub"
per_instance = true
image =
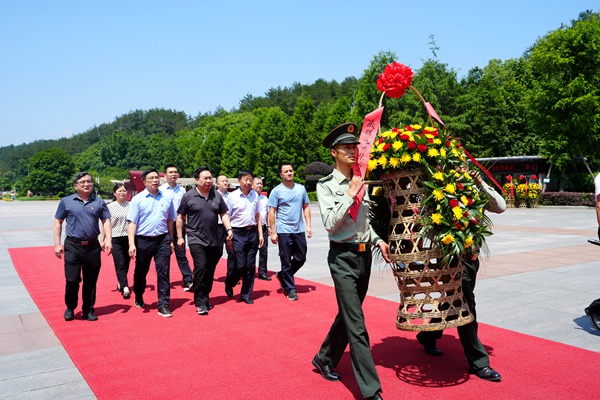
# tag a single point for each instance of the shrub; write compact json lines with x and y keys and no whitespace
{"x":315,"y":171}
{"x":567,"y":199}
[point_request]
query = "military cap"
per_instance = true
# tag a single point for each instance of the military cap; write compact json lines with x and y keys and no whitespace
{"x":341,"y":134}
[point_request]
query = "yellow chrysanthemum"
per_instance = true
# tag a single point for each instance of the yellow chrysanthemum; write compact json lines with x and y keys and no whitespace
{"x":467,"y":176}
{"x":463,"y":199}
{"x":431,"y":152}
{"x":382,"y":161}
{"x":397,"y":145}
{"x":458,"y":213}
{"x":450,"y":188}
{"x":443,"y":152}
{"x":448,"y":239}
{"x":438,"y":195}
{"x":437,"y":141}
{"x":386,"y":134}
{"x":416,"y":127}
{"x":393,"y":134}
{"x":380,"y":146}
{"x":394,"y":162}
{"x":439,"y":176}
{"x":429,"y":136}
{"x":468,"y":242}
{"x":371,"y":165}
{"x":455,"y":152}
{"x":405,"y":158}
{"x":430,"y":129}
{"x":416,"y":157}
{"x":436,"y":218}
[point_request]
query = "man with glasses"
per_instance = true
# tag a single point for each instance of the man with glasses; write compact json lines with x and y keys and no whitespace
{"x":82,"y":211}
{"x":172,"y":189}
{"x":150,"y":234}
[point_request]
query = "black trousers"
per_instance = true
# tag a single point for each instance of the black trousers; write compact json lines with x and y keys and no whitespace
{"x":182,"y":261}
{"x":120,"y":253}
{"x":205,"y":260}
{"x":159,"y":249}
{"x":263,"y":253}
{"x":81,"y":263}
{"x":230,"y":256}
{"x":245,"y":246}
{"x":292,"y":253}
{"x":594,"y":307}
{"x":474,"y":350}
{"x":350,"y":272}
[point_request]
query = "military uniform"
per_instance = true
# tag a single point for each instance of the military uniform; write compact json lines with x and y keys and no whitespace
{"x":349,"y":262}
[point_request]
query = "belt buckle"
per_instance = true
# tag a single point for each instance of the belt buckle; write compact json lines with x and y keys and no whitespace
{"x":84,"y":242}
{"x":362,"y":247}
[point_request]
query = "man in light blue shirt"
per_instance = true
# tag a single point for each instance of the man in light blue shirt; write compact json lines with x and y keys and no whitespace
{"x":287,"y":203}
{"x":150,"y":234}
{"x":244,"y":214}
{"x":172,"y":189}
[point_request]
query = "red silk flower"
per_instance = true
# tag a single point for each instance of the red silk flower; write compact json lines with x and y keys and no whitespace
{"x":509,"y":178}
{"x":534,"y":177}
{"x":395,"y":79}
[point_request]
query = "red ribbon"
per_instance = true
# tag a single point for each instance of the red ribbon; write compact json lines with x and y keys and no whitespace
{"x":488,"y":173}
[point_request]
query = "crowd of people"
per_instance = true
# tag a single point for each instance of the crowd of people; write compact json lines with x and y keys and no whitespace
{"x":164,"y":219}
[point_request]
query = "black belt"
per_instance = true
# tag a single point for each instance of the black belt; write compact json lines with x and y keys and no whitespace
{"x":82,"y":242}
{"x":244,"y":228}
{"x":151,"y":237}
{"x":356,"y":247}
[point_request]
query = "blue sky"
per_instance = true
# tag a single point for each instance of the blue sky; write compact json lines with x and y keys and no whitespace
{"x":67,"y":66}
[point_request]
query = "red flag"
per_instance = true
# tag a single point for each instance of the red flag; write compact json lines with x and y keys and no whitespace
{"x":370,"y":128}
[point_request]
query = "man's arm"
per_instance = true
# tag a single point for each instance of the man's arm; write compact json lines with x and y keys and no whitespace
{"x":598,"y":213}
{"x":57,"y":230}
{"x":107,"y":236}
{"x":261,"y":239}
{"x":307,"y":221}
{"x":131,"y":229}
{"x":179,"y":225}
{"x":271,"y":222}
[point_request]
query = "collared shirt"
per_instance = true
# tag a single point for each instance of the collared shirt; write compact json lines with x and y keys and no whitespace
{"x":242,"y":209}
{"x":150,"y":213}
{"x":202,"y":216}
{"x":334,"y":203}
{"x":289,"y":203}
{"x":264,"y":210}
{"x":118,"y":218}
{"x":82,"y":216}
{"x":224,"y":199}
{"x":176,"y":194}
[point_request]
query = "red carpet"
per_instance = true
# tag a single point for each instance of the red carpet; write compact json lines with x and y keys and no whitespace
{"x":264,"y":350}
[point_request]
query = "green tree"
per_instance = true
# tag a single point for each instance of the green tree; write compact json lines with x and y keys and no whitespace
{"x":51,"y":172}
{"x":565,"y":91}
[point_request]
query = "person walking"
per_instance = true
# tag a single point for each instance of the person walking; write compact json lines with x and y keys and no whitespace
{"x":349,"y":262}
{"x":201,"y":208}
{"x":172,"y":189}
{"x":288,"y":203}
{"x":593,"y":310}
{"x":263,"y":252}
{"x":150,"y":233}
{"x":82,"y":210}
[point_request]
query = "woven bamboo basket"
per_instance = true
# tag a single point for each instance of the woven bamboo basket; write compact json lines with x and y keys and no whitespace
{"x":430,"y":293}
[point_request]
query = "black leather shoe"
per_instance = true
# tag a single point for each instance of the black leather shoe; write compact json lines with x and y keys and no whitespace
{"x":486,"y":373}
{"x":325,"y":370}
{"x":376,"y":396}
{"x":247,"y":300}
{"x":126,"y":293}
{"x":229,"y":291}
{"x":594,"y":319}
{"x":69,"y":314}
{"x":264,"y":277}
{"x":430,"y":348}
{"x":90,"y":316}
{"x":209,"y":306}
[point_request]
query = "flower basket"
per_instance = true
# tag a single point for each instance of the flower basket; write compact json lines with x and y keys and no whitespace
{"x":510,"y":202}
{"x":430,"y":292}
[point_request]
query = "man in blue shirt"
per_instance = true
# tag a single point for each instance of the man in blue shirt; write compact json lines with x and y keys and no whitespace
{"x":150,"y":234}
{"x":82,"y":211}
{"x":172,"y":189}
{"x":244,"y":214}
{"x":288,"y":202}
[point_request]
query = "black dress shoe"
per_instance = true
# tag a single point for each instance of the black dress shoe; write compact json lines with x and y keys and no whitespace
{"x":264,"y":277}
{"x":430,"y":348}
{"x":486,"y":373}
{"x":594,"y":319}
{"x":247,"y":300}
{"x":376,"y":396}
{"x":90,"y":316}
{"x":69,"y":314}
{"x":228,"y":291}
{"x":325,"y":370}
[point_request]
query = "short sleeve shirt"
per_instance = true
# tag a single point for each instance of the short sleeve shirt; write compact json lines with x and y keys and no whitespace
{"x":150,"y":213}
{"x":202,"y":214}
{"x":118,"y":218}
{"x":176,"y":194}
{"x":289,"y":203}
{"x":82,"y":216}
{"x":243,"y":209}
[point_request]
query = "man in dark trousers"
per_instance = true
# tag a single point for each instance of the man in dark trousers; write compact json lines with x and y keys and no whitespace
{"x":349,"y":263}
{"x":150,"y":233}
{"x":201,"y":207}
{"x":477,"y":356}
{"x":82,"y":211}
{"x":593,"y":310}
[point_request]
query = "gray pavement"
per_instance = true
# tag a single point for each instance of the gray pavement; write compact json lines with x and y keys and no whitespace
{"x":538,"y":277}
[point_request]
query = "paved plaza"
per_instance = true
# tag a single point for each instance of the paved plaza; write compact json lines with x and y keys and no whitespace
{"x":537,"y":278}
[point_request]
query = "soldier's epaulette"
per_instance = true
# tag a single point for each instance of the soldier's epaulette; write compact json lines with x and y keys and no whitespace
{"x":326,"y":178}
